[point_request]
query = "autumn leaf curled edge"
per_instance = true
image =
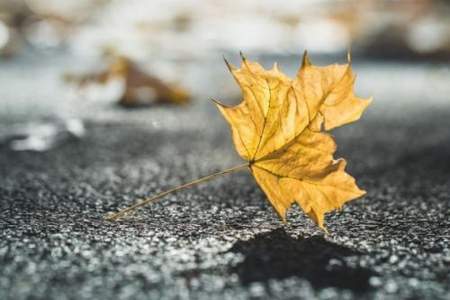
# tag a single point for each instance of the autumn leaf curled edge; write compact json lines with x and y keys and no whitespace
{"x":280,"y":128}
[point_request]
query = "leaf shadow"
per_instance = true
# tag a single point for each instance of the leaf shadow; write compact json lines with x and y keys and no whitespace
{"x":276,"y":255}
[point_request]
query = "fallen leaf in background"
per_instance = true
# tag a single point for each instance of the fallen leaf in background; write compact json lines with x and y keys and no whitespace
{"x":139,"y":88}
{"x":278,"y":128}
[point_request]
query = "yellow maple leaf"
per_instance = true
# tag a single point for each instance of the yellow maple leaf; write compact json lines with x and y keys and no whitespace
{"x":278,"y":128}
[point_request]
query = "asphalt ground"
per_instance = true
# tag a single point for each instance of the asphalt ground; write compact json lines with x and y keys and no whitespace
{"x":220,"y":240}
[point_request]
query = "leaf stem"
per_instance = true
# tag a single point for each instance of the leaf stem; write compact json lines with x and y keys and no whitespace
{"x":122,"y":212}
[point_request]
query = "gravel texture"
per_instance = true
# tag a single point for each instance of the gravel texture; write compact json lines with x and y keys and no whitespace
{"x":222,"y":240}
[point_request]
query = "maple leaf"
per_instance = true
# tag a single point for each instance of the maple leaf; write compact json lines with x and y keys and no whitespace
{"x":278,"y":128}
{"x":139,"y":87}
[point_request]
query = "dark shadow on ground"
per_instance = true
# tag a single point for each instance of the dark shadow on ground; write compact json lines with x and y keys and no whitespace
{"x":276,"y":255}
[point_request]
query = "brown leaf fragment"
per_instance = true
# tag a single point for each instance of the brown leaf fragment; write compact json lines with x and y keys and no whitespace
{"x":139,"y":86}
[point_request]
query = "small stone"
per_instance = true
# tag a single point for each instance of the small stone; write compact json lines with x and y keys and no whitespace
{"x":413,"y":282}
{"x":393,"y":259}
{"x":257,"y":290}
{"x":375,"y":281}
{"x":391,"y":287}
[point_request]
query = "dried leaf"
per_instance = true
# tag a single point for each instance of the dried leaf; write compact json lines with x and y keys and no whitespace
{"x":139,"y":87}
{"x":279,"y":129}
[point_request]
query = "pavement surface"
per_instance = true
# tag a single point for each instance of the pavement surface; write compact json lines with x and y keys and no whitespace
{"x":220,"y":240}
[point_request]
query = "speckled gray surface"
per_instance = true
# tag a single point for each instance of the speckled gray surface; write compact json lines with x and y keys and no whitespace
{"x":221,"y":240}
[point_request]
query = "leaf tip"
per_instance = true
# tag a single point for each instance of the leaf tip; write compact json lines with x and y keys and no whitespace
{"x":242,"y":56}
{"x":362,"y":192}
{"x":306,"y":62}
{"x":230,"y":67}
{"x":275,"y":66}
{"x":216,"y":102}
